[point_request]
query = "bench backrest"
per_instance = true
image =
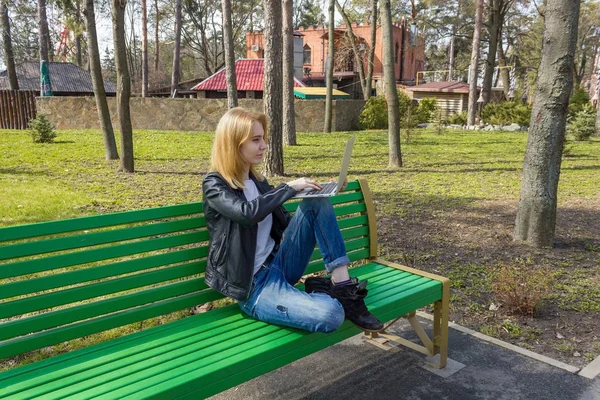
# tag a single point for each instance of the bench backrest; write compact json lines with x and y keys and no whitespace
{"x":67,"y":279}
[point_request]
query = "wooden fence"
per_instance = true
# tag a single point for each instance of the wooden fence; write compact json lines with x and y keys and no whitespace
{"x":17,"y":108}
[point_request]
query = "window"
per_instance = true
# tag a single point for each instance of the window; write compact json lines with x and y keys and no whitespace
{"x":396,"y":52}
{"x":307,"y":54}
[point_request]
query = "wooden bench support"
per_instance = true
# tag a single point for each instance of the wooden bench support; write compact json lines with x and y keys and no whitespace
{"x":431,"y":347}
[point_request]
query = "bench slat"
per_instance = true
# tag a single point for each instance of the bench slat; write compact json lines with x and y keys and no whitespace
{"x":146,"y":339}
{"x":65,"y":316}
{"x":353,"y":221}
{"x":146,"y":351}
{"x":171,"y":368}
{"x":95,"y":239}
{"x":54,"y":281}
{"x":276,"y":358}
{"x":97,"y":221}
{"x":84,"y":275}
{"x":73,"y":295}
{"x":82,"y":257}
{"x":59,"y":335}
{"x":98,"y":352}
{"x":98,"y":370}
{"x":206,"y":371}
{"x":176,"y":370}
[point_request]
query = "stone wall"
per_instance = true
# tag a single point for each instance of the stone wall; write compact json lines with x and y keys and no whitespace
{"x":189,"y":114}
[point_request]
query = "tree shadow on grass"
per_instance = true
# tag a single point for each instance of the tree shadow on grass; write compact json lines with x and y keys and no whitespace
{"x":63,"y":141}
{"x":197,"y":173}
{"x":17,"y":171}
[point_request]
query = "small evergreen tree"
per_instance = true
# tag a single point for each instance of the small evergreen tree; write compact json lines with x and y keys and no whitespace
{"x":41,"y":130}
{"x":583,"y":125}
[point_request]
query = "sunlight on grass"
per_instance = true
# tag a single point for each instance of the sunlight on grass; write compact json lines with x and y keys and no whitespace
{"x":71,"y":177}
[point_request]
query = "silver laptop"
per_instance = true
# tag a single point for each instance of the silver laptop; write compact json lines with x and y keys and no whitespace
{"x":331,"y":188}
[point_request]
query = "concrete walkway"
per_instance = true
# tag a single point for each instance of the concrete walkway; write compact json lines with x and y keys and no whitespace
{"x":354,"y":370}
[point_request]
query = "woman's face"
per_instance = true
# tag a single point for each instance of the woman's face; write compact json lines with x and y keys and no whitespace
{"x":253,"y":148}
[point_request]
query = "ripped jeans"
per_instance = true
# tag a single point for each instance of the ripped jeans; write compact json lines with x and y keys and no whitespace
{"x":274,"y":299}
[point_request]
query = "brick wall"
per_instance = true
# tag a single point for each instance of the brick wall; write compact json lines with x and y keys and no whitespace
{"x":189,"y":114}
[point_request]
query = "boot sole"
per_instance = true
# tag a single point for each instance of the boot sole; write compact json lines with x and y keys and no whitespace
{"x":368,"y":330}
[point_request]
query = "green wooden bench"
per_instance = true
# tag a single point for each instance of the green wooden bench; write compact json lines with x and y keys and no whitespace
{"x":68,"y":279}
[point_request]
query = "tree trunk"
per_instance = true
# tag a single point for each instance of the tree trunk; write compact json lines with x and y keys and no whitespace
{"x":144,"y":49}
{"x":123,"y":85}
{"x":474,"y":68}
{"x":232,"y":100}
{"x":273,"y":88}
{"x":329,"y":66}
{"x":78,"y":52}
{"x":494,"y":25}
{"x":536,"y":215}
{"x":597,"y":134}
{"x":503,"y":72}
{"x":176,"y":48}
{"x":391,"y":92}
{"x":43,"y":30}
{"x":289,"y":114}
{"x":9,"y":57}
{"x":108,"y":135}
{"x":451,"y":56}
{"x":371,"y":57}
{"x":357,"y":56}
{"x":156,"y":44}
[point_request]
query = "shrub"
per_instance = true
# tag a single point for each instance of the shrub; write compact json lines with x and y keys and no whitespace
{"x":426,"y":110}
{"x":458,"y":118}
{"x":374,"y":115}
{"x":583,"y":125}
{"x":578,"y":101}
{"x":508,"y":112}
{"x":439,"y":122}
{"x":520,"y":289}
{"x":42,"y":131}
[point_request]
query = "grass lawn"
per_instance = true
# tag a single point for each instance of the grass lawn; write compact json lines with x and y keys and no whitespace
{"x":450,"y":210}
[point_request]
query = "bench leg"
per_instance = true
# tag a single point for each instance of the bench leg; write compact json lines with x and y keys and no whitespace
{"x":440,"y":332}
{"x":436,"y":349}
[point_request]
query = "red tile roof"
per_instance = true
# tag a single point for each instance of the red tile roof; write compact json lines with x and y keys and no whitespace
{"x":248,"y":74}
{"x":450,"y":87}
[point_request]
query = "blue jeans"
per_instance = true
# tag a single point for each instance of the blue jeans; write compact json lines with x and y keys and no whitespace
{"x":274,"y":299}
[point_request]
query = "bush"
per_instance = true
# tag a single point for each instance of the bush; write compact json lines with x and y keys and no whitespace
{"x":42,"y":131}
{"x":374,"y":115}
{"x":439,"y":121}
{"x":583,"y":125}
{"x":578,"y":101}
{"x":520,"y":289}
{"x":506,"y":113}
{"x":426,"y":110}
{"x":458,"y":118}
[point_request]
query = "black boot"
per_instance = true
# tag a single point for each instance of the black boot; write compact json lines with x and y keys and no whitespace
{"x":352,"y":298}
{"x":316,"y":284}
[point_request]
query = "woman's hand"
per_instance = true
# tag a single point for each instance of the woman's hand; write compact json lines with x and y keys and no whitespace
{"x":304,"y":183}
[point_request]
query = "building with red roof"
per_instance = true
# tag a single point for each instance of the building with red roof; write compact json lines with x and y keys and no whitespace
{"x":249,"y":75}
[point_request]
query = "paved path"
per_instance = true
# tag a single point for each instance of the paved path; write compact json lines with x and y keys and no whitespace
{"x":356,"y":370}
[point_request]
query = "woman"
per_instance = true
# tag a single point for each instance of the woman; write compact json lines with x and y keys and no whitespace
{"x":257,"y":253}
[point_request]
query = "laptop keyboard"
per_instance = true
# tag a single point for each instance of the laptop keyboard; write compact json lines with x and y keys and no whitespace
{"x":326,"y":188}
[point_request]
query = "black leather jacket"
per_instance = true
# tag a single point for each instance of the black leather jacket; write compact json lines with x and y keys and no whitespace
{"x":232,"y":223}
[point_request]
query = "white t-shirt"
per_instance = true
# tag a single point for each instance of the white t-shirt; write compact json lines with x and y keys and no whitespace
{"x":264,"y":241}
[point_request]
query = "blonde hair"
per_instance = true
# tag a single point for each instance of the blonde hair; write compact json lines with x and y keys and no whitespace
{"x":233,"y":129}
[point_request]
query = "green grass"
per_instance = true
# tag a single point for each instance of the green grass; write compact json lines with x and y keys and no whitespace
{"x":70,"y":178}
{"x":453,"y":172}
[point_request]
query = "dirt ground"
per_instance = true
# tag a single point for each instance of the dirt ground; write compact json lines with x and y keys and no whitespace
{"x":468,"y":244}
